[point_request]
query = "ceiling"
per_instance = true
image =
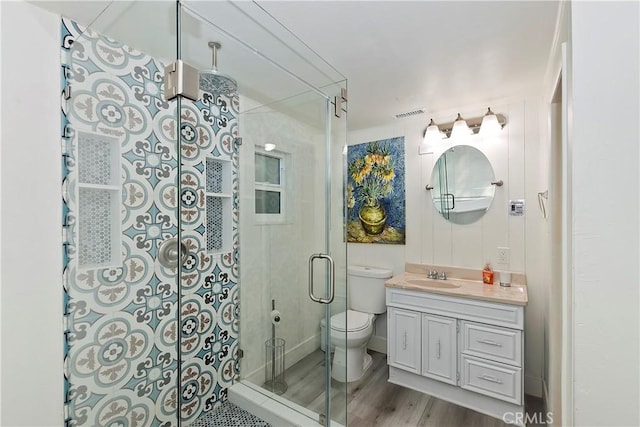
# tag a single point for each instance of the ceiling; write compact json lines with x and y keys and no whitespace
{"x":437,"y":55}
{"x":398,"y":56}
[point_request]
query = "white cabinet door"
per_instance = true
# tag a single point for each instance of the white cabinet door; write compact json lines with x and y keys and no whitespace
{"x":404,"y":339}
{"x":439,"y":348}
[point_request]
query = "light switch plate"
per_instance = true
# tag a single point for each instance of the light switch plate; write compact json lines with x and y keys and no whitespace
{"x":503,"y":256}
{"x":516,"y":207}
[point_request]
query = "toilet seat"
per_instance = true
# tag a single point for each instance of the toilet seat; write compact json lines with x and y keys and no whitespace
{"x":356,"y":321}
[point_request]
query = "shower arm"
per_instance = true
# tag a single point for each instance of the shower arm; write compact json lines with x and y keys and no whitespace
{"x":215,"y":46}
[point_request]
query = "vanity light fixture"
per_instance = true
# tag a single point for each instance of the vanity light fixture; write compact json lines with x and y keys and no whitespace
{"x":460,"y":129}
{"x":488,"y":125}
{"x":269,"y":146}
{"x":431,"y":136}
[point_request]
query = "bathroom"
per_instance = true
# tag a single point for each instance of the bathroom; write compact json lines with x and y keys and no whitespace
{"x":32,"y":353}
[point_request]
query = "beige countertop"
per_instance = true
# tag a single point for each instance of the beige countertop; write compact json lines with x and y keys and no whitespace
{"x":516,"y":294}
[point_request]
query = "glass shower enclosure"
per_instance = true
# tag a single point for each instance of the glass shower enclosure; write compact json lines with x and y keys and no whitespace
{"x":203,"y":214}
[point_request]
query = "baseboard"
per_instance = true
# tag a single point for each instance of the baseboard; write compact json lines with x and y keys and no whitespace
{"x":291,"y":357}
{"x":378,"y":344}
{"x":533,"y":385}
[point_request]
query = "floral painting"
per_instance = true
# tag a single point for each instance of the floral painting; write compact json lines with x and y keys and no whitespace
{"x":375,"y":192}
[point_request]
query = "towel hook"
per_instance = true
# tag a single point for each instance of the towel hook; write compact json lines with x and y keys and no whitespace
{"x":543,"y":196}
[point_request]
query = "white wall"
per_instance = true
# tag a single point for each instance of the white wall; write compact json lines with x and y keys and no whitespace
{"x":432,"y":240}
{"x":0,"y":222}
{"x":32,"y":381}
{"x":605,"y":44}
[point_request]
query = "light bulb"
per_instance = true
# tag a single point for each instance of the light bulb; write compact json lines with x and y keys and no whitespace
{"x":490,"y":125}
{"x":431,"y":136}
{"x":460,"y":129}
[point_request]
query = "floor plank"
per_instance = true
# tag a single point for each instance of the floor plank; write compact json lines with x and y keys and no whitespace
{"x":373,"y":401}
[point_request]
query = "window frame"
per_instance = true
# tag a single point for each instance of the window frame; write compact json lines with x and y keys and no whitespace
{"x":271,"y":218}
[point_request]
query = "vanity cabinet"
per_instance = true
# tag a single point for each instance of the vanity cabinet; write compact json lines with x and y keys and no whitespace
{"x":464,"y":350}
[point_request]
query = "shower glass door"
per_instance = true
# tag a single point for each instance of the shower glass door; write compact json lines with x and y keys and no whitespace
{"x":280,"y":151}
{"x":291,"y":210}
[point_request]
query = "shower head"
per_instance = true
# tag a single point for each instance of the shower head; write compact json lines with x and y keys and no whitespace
{"x":214,"y":82}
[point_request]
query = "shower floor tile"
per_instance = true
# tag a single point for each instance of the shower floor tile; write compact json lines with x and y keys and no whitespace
{"x":229,"y":415}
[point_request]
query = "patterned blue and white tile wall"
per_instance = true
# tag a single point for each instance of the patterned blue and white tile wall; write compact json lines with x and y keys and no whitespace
{"x":132,"y":356}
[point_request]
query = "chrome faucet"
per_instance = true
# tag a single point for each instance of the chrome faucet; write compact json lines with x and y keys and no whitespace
{"x":442,"y":276}
{"x":432,"y":274}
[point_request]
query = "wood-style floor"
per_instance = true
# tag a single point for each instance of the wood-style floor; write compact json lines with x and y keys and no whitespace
{"x":373,"y":401}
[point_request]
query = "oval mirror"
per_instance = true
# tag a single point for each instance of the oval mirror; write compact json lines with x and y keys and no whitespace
{"x":461,"y":179}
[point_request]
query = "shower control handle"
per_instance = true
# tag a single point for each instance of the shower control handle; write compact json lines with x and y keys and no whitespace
{"x":168,"y":253}
{"x":332,"y":279}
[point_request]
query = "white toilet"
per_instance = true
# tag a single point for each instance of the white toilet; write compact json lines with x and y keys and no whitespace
{"x":366,"y":298}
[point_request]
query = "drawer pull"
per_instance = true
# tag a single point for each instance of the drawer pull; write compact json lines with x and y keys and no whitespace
{"x":438,"y":349}
{"x":489,"y":342}
{"x":404,"y":342}
{"x":490,"y":378}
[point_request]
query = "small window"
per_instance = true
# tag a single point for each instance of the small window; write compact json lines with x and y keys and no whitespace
{"x":269,"y":187}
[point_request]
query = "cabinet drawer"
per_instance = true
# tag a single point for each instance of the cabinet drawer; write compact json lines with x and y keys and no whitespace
{"x":491,"y":342}
{"x":492,"y":379}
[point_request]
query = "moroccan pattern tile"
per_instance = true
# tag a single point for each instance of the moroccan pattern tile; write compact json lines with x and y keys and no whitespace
{"x":143,"y":347}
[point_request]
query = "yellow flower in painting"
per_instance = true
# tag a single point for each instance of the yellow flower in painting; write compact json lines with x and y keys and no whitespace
{"x":355,"y":169}
{"x":375,"y":159}
{"x":387,"y":175}
{"x":372,"y":174}
{"x":362,"y":174}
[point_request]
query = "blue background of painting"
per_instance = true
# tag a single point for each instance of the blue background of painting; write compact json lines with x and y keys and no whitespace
{"x":394,"y":203}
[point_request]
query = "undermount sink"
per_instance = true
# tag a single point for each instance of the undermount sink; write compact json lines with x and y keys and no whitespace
{"x":429,"y":283}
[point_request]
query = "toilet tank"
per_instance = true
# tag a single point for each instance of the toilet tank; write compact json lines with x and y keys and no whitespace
{"x":366,"y":288}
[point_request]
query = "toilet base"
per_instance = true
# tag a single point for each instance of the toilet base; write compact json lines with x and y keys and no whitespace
{"x":356,"y":361}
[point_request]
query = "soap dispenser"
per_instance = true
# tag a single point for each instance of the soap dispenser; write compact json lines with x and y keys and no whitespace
{"x":487,"y":274}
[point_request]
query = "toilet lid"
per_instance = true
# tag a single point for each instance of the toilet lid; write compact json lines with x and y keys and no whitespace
{"x":356,"y":321}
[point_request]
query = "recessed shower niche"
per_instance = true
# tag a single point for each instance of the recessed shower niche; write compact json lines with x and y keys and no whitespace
{"x":99,"y":200}
{"x":219,"y":205}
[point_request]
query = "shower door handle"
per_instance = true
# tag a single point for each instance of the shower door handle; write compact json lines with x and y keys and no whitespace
{"x":332,"y":279}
